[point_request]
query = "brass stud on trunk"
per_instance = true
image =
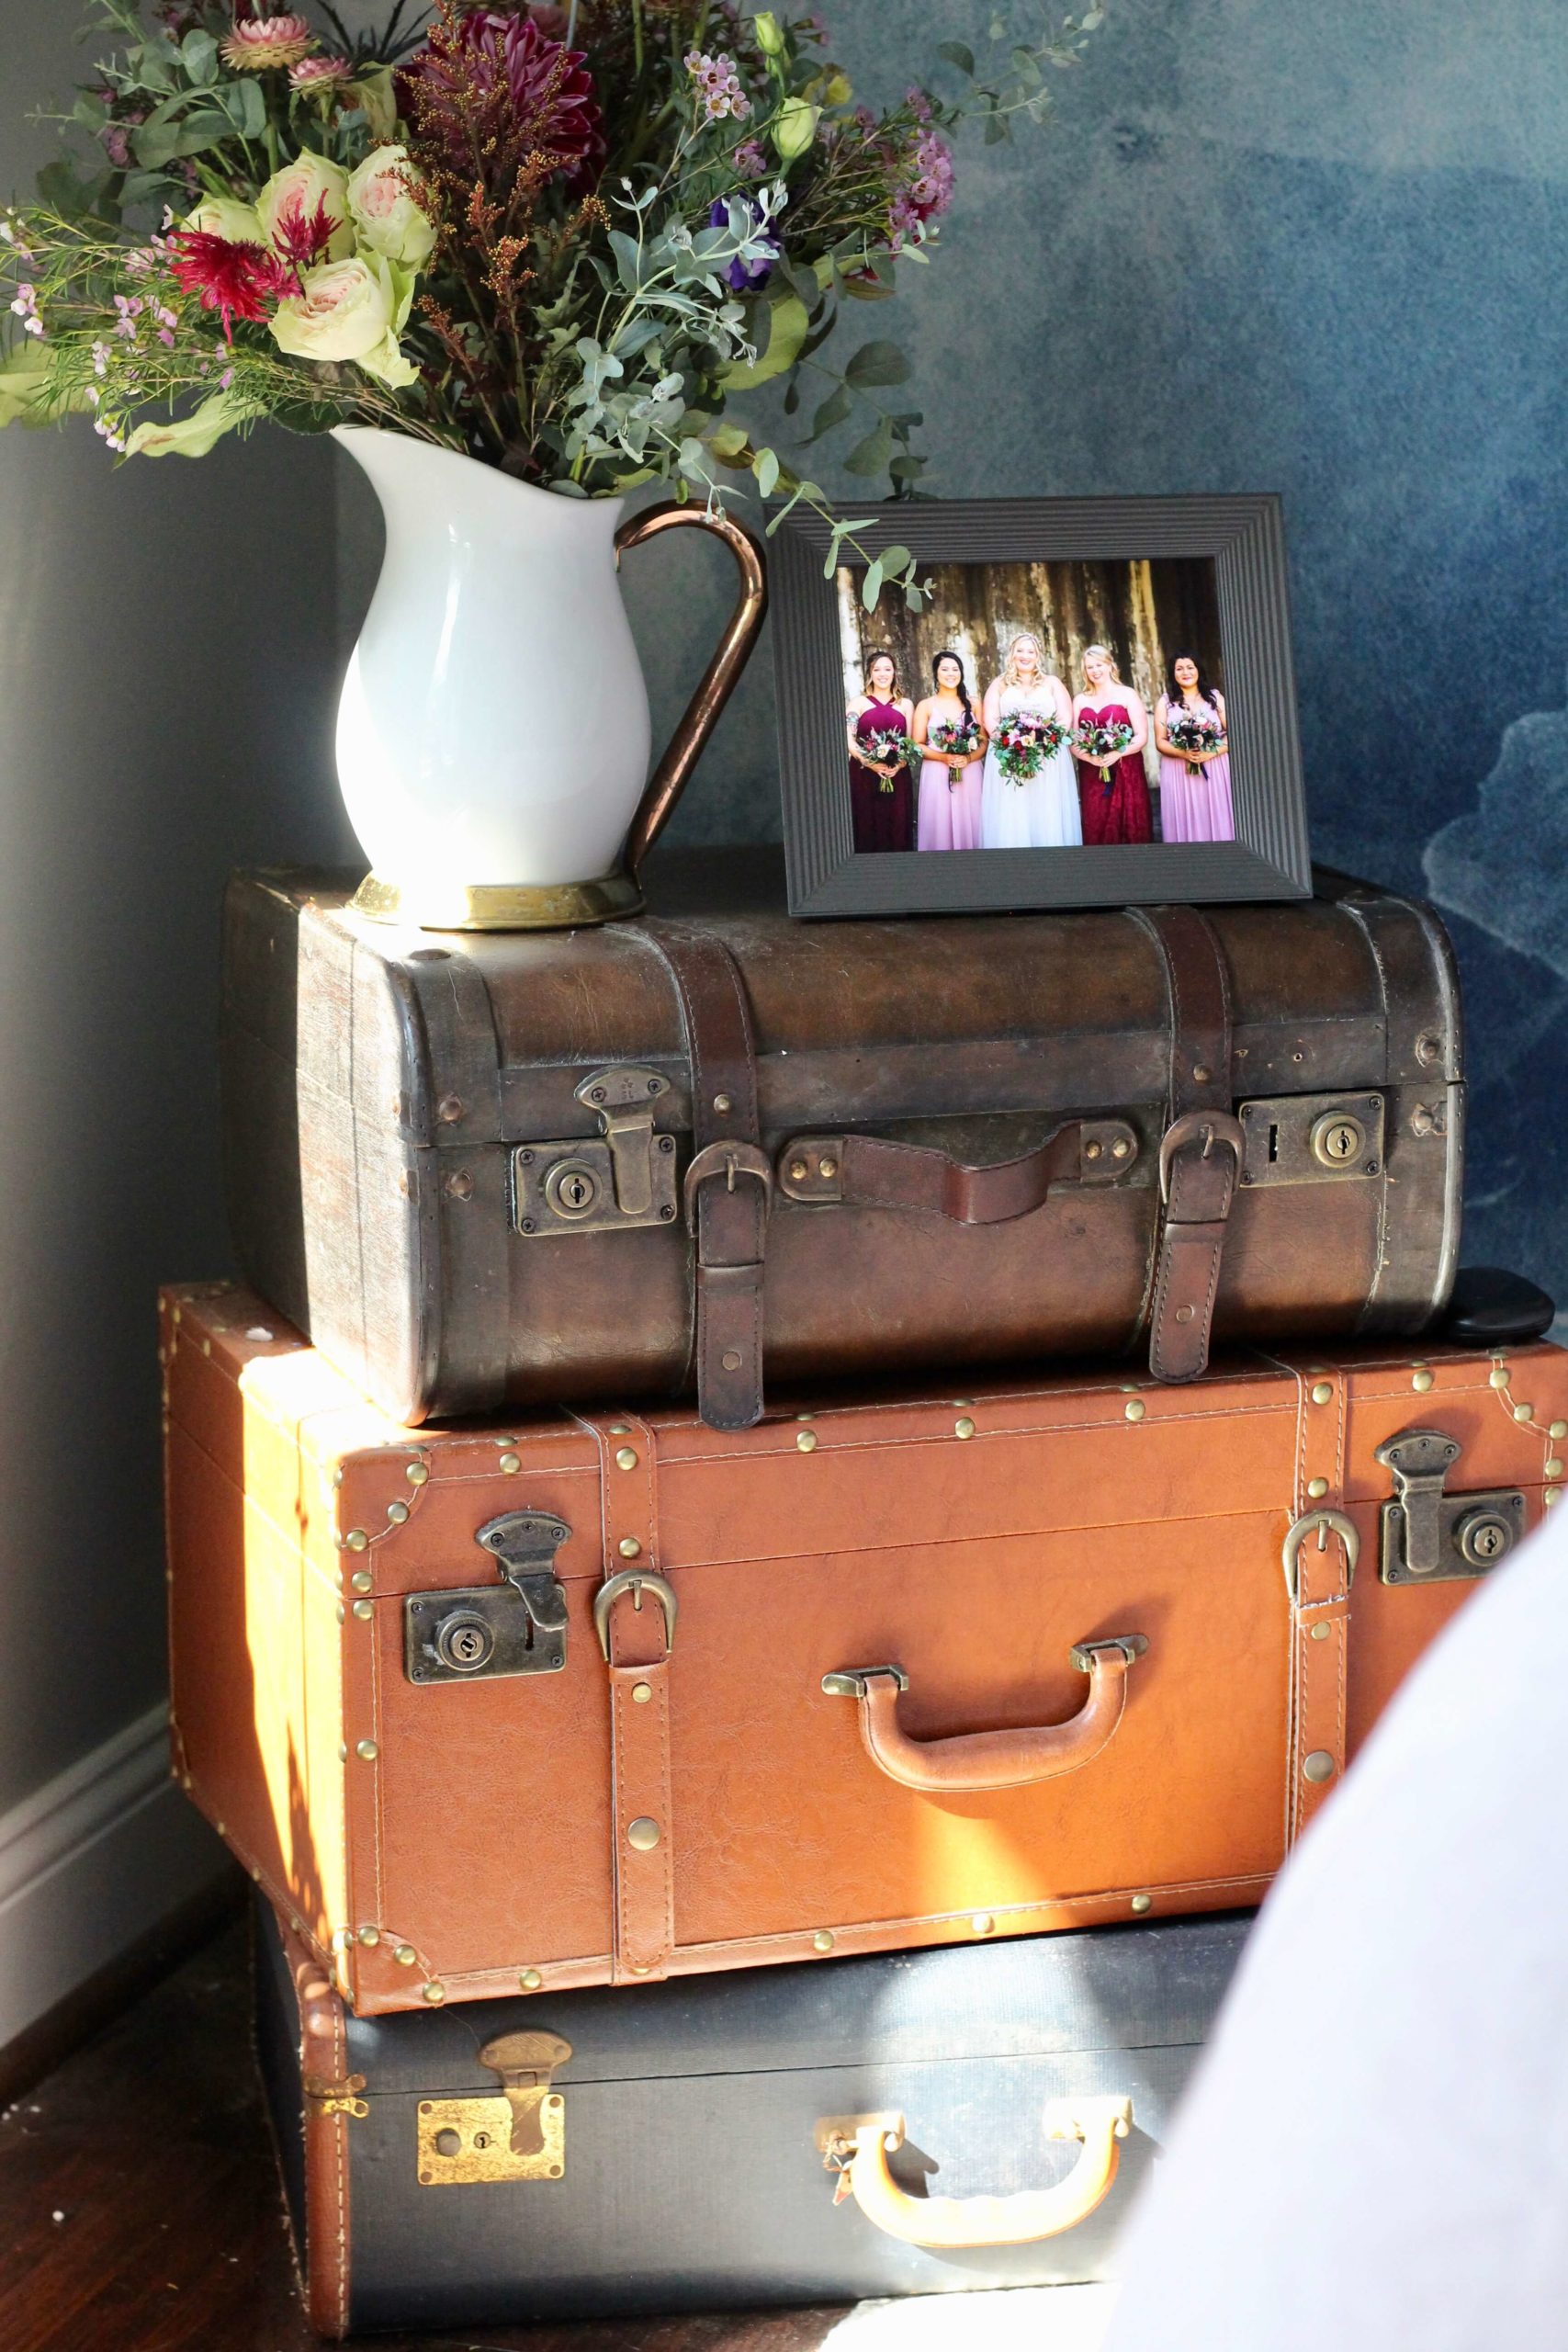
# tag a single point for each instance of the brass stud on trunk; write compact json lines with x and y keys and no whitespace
{"x":367,"y":1751}
{"x":626,"y":1459}
{"x":1134,"y":1408}
{"x":1321,"y":1393}
{"x":509,"y":1463}
{"x":397,"y":1513}
{"x":1318,"y":1767}
{"x":807,"y":1441}
{"x":417,"y":1475}
{"x":530,"y":1980}
{"x":822,"y":1940}
{"x":1318,"y":1489}
{"x":642,"y":1834}
{"x":405,"y":1955}
{"x":1142,"y":1903}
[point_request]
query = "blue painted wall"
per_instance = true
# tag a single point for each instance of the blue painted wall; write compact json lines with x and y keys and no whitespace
{"x":1321,"y":251}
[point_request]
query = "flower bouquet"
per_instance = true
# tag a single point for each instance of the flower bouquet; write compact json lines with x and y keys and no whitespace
{"x":955,"y":740}
{"x":1192,"y":734}
{"x":887,"y":746}
{"x":1097,"y":739}
{"x":1024,"y":741}
{"x":566,"y":240}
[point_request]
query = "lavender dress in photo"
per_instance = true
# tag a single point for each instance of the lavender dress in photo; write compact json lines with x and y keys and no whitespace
{"x":1194,"y":808}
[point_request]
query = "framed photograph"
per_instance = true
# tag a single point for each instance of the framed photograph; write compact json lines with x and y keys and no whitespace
{"x":1094,"y":705}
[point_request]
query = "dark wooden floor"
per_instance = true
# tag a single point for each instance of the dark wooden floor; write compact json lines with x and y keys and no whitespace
{"x":139,"y":2209}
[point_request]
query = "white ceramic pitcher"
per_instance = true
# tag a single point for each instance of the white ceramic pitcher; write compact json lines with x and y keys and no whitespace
{"x":493,"y":733}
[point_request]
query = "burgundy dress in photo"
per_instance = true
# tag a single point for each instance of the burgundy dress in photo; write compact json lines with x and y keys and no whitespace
{"x":883,"y":807}
{"x":1116,"y":805}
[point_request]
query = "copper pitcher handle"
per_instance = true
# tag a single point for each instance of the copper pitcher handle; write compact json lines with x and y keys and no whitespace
{"x":718,"y":680}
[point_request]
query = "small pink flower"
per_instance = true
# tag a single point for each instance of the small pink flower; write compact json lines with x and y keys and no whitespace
{"x":257,"y":44}
{"x":100,"y":359}
{"x":315,"y":75}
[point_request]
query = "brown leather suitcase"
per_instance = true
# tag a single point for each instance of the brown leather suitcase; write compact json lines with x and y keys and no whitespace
{"x":487,"y":1171}
{"x":610,"y":1696}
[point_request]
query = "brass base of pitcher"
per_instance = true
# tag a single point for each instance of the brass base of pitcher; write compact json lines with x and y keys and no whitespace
{"x":487,"y":906}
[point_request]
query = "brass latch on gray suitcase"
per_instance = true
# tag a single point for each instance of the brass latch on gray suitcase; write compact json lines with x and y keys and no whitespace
{"x":1430,"y":1536}
{"x":624,"y":1182}
{"x":480,"y":1632}
{"x":519,"y":2136}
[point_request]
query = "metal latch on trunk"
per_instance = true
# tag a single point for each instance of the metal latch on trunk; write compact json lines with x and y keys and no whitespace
{"x":482,"y":1631}
{"x":1312,"y":1138}
{"x":624,"y":1182}
{"x":1430,"y":1536}
{"x":520,"y":2136}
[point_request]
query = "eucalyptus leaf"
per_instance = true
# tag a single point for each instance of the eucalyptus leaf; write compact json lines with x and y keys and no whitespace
{"x":628,"y":259}
{"x":877,"y":363}
{"x":788,"y":321}
{"x":896,"y":561}
{"x":871,"y":586}
{"x":90,"y":110}
{"x":956,"y":54}
{"x":830,"y":412}
{"x":251,"y":112}
{"x":201,"y":131}
{"x":872,"y":455}
{"x":199,"y":54}
{"x":728,"y":441}
{"x":863,"y":288}
{"x":765,"y":466}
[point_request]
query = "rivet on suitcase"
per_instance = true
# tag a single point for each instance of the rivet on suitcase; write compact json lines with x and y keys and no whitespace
{"x":611,"y":1696}
{"x":890,"y":2126}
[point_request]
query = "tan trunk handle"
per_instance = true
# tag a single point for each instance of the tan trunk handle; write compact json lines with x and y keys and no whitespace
{"x":718,"y":680}
{"x":991,"y":1759}
{"x":858,"y":2148}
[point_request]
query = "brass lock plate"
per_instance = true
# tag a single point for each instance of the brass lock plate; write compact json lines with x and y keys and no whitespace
{"x":1430,"y":1536}
{"x":621,"y":1181}
{"x":1311,"y":1139}
{"x":479,"y":1633}
{"x":1475,"y":1533}
{"x":462,"y":2140}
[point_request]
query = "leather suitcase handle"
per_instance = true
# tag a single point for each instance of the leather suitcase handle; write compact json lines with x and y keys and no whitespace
{"x":991,"y":1759}
{"x":1100,"y":2124}
{"x":864,"y":1171}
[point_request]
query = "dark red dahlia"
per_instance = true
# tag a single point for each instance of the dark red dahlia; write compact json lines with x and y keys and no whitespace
{"x":241,"y":281}
{"x":492,"y":89}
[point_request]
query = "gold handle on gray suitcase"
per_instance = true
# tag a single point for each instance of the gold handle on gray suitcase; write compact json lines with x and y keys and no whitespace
{"x":857,"y":2148}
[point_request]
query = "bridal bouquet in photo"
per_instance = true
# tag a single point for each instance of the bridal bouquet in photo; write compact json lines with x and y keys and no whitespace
{"x":889,"y":746}
{"x":1102,"y":740}
{"x":955,"y":738}
{"x":565,"y":240}
{"x":1025,"y":740}
{"x":1190,"y":735}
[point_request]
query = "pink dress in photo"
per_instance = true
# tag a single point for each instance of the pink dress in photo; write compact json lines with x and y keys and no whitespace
{"x":948,"y":815}
{"x":1195,"y":807}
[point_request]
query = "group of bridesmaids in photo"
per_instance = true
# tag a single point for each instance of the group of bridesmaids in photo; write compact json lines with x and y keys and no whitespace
{"x":1034,"y":767}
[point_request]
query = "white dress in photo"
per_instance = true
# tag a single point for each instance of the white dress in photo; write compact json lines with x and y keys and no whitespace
{"x":1042,"y":813}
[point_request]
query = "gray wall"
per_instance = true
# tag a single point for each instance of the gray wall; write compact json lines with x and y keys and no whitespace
{"x":166,"y":660}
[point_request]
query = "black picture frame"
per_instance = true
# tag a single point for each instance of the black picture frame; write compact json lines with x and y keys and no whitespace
{"x":1243,"y":535}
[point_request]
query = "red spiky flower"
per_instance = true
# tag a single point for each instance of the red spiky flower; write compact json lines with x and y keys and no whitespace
{"x":490,"y":90}
{"x":241,"y":281}
{"x":300,"y":237}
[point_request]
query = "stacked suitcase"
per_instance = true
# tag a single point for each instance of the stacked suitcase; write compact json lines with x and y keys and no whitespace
{"x":835,"y":1562}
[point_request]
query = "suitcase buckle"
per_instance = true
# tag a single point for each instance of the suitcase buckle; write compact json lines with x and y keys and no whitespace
{"x":1207,"y":1127}
{"x":1322,"y":1524}
{"x":729,"y":1160}
{"x":635,"y":1581}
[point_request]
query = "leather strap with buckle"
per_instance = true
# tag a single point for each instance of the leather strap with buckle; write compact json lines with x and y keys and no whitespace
{"x":729,"y":1184}
{"x":1201,"y":1155}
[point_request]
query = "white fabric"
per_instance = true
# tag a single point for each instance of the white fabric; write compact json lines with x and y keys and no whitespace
{"x":1014,"y":2318}
{"x":1374,"y":2154}
{"x":1042,"y":813}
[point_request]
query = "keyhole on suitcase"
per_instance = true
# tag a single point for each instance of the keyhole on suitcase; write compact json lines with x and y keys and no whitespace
{"x":518,"y":1626}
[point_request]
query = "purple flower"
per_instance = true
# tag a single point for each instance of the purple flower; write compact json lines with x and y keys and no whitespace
{"x":749,"y":160}
{"x":746,"y":277}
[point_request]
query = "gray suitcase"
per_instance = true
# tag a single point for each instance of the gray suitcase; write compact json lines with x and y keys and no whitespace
{"x":775,"y":2136}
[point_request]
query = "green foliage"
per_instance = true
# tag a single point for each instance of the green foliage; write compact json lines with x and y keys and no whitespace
{"x":589,"y":345}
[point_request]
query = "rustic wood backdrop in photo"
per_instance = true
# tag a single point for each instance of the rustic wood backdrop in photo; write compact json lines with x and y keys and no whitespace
{"x":1145,"y":612}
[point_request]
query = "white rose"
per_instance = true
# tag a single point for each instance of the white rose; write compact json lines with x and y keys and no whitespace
{"x":225,"y":216}
{"x":385,"y":210}
{"x":349,"y":310}
{"x":298,"y":190}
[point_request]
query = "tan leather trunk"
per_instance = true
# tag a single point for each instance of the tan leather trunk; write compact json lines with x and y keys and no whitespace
{"x":585,"y":1697}
{"x":659,"y":1158}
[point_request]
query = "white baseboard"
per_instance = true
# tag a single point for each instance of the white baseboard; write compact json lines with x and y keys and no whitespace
{"x":89,"y":1864}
